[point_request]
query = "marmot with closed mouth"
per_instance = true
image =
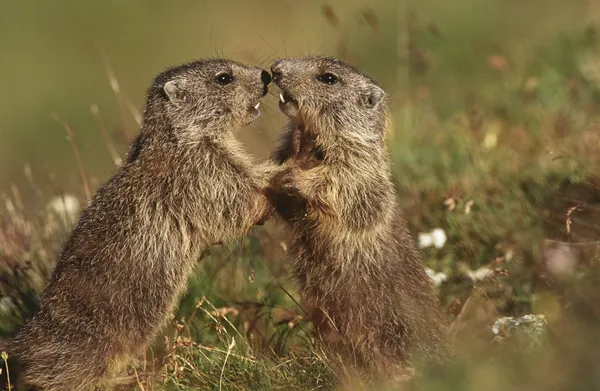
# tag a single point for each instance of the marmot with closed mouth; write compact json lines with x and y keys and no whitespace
{"x":185,"y":185}
{"x":357,"y":266}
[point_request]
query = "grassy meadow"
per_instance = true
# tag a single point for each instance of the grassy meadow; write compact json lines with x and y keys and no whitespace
{"x":495,"y":142}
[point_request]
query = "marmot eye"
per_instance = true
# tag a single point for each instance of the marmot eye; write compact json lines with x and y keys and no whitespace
{"x":328,"y":78}
{"x":224,"y":78}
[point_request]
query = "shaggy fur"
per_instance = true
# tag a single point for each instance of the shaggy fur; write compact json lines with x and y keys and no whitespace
{"x":186,"y":184}
{"x":358,"y":269}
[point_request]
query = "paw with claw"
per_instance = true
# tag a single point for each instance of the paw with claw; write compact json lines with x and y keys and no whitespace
{"x":283,"y":183}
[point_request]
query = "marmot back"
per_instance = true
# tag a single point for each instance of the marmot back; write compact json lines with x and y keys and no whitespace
{"x":358,"y":269}
{"x":186,"y":184}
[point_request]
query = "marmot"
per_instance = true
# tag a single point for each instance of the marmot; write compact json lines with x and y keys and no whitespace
{"x":358,"y":269}
{"x":185,"y":184}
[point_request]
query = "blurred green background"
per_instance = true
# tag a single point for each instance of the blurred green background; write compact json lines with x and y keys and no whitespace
{"x":52,"y":57}
{"x":52,"y":63}
{"x":496,"y":141}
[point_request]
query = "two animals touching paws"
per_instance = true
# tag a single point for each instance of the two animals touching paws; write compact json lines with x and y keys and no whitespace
{"x":187,"y":183}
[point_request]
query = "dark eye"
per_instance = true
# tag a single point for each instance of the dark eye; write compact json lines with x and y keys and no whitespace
{"x":224,"y":78}
{"x":328,"y":78}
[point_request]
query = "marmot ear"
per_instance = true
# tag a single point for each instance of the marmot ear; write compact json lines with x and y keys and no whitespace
{"x":174,"y":91}
{"x":372,"y":96}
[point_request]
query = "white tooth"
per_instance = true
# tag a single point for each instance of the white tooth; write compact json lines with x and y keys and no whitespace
{"x":256,"y":107}
{"x":281,"y":99}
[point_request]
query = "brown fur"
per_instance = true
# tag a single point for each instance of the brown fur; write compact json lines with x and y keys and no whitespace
{"x":185,"y":185}
{"x":360,"y":274}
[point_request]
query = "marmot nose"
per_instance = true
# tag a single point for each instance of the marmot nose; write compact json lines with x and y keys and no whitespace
{"x":276,"y":76}
{"x":265,"y":77}
{"x":276,"y":71}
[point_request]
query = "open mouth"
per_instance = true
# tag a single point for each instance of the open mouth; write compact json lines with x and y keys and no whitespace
{"x":288,"y":104}
{"x":285,"y":97}
{"x":254,"y":110}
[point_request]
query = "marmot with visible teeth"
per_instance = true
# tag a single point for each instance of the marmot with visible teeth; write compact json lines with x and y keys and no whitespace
{"x":186,"y":184}
{"x":358,"y":269}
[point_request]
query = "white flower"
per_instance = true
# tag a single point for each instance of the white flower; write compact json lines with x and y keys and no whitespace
{"x":437,"y":238}
{"x":480,"y":274}
{"x":437,"y":278}
{"x":425,"y":240}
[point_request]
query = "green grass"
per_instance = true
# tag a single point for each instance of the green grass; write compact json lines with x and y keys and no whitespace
{"x":496,"y":140}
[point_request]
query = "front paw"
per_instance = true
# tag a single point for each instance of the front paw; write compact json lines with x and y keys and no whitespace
{"x":283,"y":183}
{"x":288,"y":187}
{"x":268,"y":212}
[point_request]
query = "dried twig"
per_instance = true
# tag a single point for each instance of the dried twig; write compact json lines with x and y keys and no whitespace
{"x":231,"y":345}
{"x":107,"y":140}
{"x":71,"y":138}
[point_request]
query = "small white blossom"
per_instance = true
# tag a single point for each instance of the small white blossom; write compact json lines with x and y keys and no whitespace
{"x":480,"y":274}
{"x":425,"y":240}
{"x":437,"y":238}
{"x":437,"y":278}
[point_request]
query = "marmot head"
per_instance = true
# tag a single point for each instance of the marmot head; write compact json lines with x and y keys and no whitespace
{"x":207,"y":95}
{"x":328,"y":95}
